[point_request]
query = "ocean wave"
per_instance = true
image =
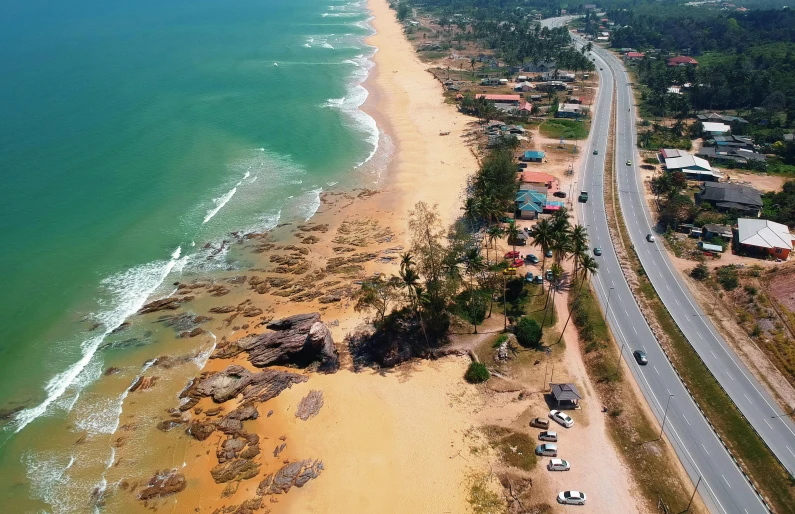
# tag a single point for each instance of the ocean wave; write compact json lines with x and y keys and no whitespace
{"x":47,"y":474}
{"x":223,"y":200}
{"x":128,"y":292}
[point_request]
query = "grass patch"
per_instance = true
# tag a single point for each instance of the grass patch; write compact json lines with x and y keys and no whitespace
{"x":477,"y":373}
{"x":482,"y":499}
{"x":516,"y":449}
{"x":567,"y":129}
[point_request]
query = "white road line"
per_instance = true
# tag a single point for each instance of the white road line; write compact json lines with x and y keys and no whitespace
{"x":686,"y":421}
{"x":730,"y":375}
{"x":713,"y":354}
{"x":700,"y":336}
{"x":705,"y":449}
{"x":768,"y":424}
{"x":677,"y":302}
{"x":746,"y":397}
{"x":655,"y":369}
{"x":635,"y":329}
{"x":793,"y":454}
{"x":727,"y":482}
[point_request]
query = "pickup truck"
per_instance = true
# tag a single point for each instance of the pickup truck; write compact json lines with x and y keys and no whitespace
{"x":583,"y":196}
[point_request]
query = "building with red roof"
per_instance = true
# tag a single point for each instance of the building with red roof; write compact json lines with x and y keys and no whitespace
{"x":634,"y":56}
{"x":682,"y":60}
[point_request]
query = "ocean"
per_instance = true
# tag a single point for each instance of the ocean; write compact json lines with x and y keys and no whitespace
{"x":135,"y":137}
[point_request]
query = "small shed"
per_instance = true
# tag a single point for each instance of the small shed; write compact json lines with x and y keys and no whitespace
{"x":533,"y":156}
{"x":566,"y":395}
{"x":710,"y":247}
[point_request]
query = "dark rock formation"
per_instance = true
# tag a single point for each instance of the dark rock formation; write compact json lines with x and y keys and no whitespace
{"x":294,"y":474}
{"x":247,"y":507}
{"x":310,"y":405}
{"x":237,"y":469}
{"x":235,"y":380}
{"x":201,"y":430}
{"x":168,"y":424}
{"x":299,"y":339}
{"x":143,"y":383}
{"x":170,"y":303}
{"x":232,"y":423}
{"x":164,"y":483}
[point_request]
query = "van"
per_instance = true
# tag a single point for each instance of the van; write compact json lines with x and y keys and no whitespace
{"x":547,"y":450}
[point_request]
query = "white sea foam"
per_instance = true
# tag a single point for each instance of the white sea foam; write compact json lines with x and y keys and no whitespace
{"x":204,"y":355}
{"x":129,"y":291}
{"x":223,"y":200}
{"x":327,"y":45}
{"x":46,"y":475}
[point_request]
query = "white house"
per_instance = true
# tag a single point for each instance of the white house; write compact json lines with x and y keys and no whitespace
{"x":716,"y":129}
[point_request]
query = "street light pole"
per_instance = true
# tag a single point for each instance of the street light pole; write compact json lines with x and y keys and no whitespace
{"x":607,"y":309}
{"x":694,"y":494}
{"x":665,"y":416}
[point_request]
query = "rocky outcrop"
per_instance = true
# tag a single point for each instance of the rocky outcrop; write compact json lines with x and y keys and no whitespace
{"x":236,"y":380}
{"x":300,"y":339}
{"x":164,"y":483}
{"x":170,"y":303}
{"x":232,"y":423}
{"x":293,"y":474}
{"x":143,"y":383}
{"x":201,"y":430}
{"x":236,"y":469}
{"x":247,"y":507}
{"x":310,"y":405}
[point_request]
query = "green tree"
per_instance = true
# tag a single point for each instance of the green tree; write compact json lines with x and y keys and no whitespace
{"x":528,"y":332}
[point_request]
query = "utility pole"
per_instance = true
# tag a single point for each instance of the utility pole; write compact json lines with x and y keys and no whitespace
{"x":694,"y":494}
{"x":665,"y":416}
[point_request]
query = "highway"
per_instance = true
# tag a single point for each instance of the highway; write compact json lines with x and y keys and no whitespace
{"x":723,"y":487}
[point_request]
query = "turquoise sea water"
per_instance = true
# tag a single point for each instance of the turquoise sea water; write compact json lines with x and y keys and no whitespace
{"x":132,"y":134}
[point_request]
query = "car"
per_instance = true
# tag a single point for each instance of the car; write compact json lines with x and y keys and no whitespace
{"x":539,"y":279}
{"x":529,"y":277}
{"x":547,"y":450}
{"x":561,"y":418}
{"x":583,"y":198}
{"x":629,"y":163}
{"x":539,"y":423}
{"x":517,"y":262}
{"x":559,"y":194}
{"x":596,"y":152}
{"x":650,"y":238}
{"x":548,"y":435}
{"x":548,"y":275}
{"x":640,"y":356}
{"x":526,"y":230}
{"x":532,"y":259}
{"x":548,"y":254}
{"x":511,"y":255}
{"x":522,"y":165}
{"x":509,"y":271}
{"x":601,"y":69}
{"x":571,"y":498}
{"x":558,"y":465}
{"x":597,"y":251}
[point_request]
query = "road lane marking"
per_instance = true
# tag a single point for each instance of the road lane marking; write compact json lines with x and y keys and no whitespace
{"x":727,"y":482}
{"x":677,"y":302}
{"x":635,"y":329}
{"x":705,"y":449}
{"x":793,"y":454}
{"x":686,"y":421}
{"x":768,"y":424}
{"x":746,"y":397}
{"x":730,"y":375}
{"x":713,"y":354}
{"x":655,"y":369}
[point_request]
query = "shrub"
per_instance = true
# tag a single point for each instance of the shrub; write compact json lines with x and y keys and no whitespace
{"x":528,"y":332}
{"x":477,"y":373}
{"x":700,"y":272}
{"x":728,"y":277}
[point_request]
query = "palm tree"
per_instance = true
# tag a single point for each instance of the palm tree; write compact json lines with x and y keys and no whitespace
{"x":474,"y":265}
{"x":542,"y":235}
{"x":579,"y":244}
{"x":513,"y":233}
{"x":589,"y":265}
{"x":471,"y":211}
{"x":557,"y":275}
{"x":494,"y":232}
{"x":410,"y":278}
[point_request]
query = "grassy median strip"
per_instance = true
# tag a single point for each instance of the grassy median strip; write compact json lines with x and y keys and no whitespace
{"x":756,"y":460}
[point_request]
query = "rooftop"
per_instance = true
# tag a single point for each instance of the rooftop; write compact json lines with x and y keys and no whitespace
{"x":763,"y":233}
{"x":565,"y":392}
{"x":731,"y":194}
{"x":710,"y":126}
{"x":687,"y":161}
{"x":500,"y":98}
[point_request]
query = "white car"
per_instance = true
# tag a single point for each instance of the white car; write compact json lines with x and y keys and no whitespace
{"x":558,"y":465}
{"x":650,"y":238}
{"x":547,"y":450}
{"x":561,"y":418}
{"x":571,"y":498}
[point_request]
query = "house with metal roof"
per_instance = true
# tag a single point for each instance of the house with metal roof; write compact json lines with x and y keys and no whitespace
{"x":694,"y":168}
{"x":713,"y":230}
{"x":712,"y":128}
{"x":530,"y":203}
{"x":566,"y":395}
{"x":533,"y":156}
{"x":682,"y":60}
{"x":741,"y":156}
{"x":569,"y":111}
{"x":731,"y":197}
{"x":720,"y":118}
{"x":764,"y":237}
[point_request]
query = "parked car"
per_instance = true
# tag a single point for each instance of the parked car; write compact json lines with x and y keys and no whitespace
{"x":548,"y":275}
{"x":539,"y":423}
{"x":548,"y":253}
{"x":509,"y":271}
{"x":548,"y":435}
{"x":561,"y":418}
{"x":517,"y":262}
{"x":532,"y":259}
{"x":640,"y":356}
{"x":511,"y":255}
{"x":522,"y":165}
{"x":597,"y":251}
{"x":558,"y":465}
{"x":650,"y":238}
{"x":559,"y":194}
{"x":547,"y":450}
{"x":529,"y":277}
{"x":571,"y":498}
{"x":539,"y":279}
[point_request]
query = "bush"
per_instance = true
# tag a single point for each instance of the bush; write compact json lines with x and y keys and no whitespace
{"x":477,"y":373}
{"x":528,"y":332}
{"x":700,"y":272}
{"x":651,"y":160}
{"x":728,"y":277}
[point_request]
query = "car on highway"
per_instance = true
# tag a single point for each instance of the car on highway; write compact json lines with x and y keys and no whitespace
{"x":597,"y":251}
{"x":511,"y":255}
{"x":531,"y":258}
{"x":547,"y":450}
{"x":629,"y":163}
{"x":548,"y":254}
{"x":539,"y":423}
{"x":561,"y":418}
{"x":571,"y":498}
{"x":640,"y":356}
{"x":558,"y":465}
{"x":583,"y":198}
{"x":548,"y":435}
{"x":596,"y":152}
{"x":529,"y":277}
{"x":650,"y":238}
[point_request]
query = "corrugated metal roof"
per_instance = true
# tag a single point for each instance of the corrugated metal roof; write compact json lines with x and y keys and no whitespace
{"x":565,"y":392}
{"x":763,"y":233}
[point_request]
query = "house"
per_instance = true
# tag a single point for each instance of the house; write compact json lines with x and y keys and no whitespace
{"x":501,"y":99}
{"x":566,"y":395}
{"x":682,"y":60}
{"x":764,"y":237}
{"x":530,"y":203}
{"x":727,"y":197}
{"x":554,"y":85}
{"x":694,"y":168}
{"x":675,"y":90}
{"x":490,"y":81}
{"x":739,"y":156}
{"x":515,"y":129}
{"x":524,"y":87}
{"x":706,"y":247}
{"x":720,"y":118}
{"x":602,"y":38}
{"x":541,"y":67}
{"x":634,"y":56}
{"x":711,"y":231}
{"x":560,"y":76}
{"x":732,"y":142}
{"x":715,"y":129}
{"x":533,"y":156}
{"x":569,"y":111}
{"x":574,"y":100}
{"x":538,"y":179}
{"x":526,"y":109}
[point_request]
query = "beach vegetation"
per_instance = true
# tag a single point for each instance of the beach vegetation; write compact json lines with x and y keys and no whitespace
{"x":477,"y":373}
{"x":528,"y":332}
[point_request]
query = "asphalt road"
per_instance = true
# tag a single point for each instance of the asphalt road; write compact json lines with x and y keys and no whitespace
{"x":723,"y":487}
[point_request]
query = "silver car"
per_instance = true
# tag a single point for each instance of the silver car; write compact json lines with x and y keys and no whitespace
{"x":547,"y":450}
